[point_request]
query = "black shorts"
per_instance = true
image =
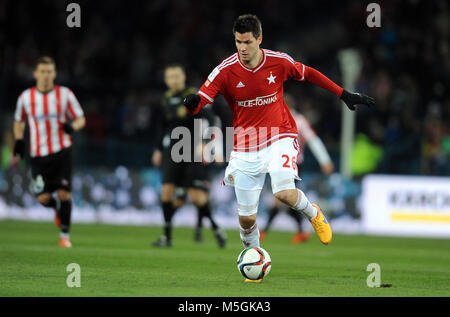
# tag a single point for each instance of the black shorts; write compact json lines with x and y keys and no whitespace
{"x":52,"y":172}
{"x":183,"y":174}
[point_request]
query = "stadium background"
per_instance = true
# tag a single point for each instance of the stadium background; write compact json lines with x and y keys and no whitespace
{"x":114,"y":64}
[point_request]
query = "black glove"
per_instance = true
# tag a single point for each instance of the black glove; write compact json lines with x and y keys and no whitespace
{"x":351,"y":99}
{"x":68,"y":128}
{"x":19,"y":148}
{"x":191,"y":102}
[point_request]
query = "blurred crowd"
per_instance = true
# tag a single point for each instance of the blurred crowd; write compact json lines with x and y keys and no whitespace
{"x":114,"y":63}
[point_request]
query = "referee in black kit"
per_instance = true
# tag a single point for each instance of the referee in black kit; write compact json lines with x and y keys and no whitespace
{"x":179,"y":176}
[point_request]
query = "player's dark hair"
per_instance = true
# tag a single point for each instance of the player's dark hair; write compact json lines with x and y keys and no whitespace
{"x":175,"y":65}
{"x":248,"y":23}
{"x":45,"y":60}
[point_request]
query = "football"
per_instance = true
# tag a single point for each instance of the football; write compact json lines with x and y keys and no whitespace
{"x":254,"y":263}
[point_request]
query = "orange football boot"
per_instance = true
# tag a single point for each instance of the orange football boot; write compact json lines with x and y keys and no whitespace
{"x":321,"y":226}
{"x":64,"y":243}
{"x":247,"y":280}
{"x":300,"y":237}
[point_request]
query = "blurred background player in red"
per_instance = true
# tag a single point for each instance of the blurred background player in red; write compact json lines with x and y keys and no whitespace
{"x":306,"y":135}
{"x":53,"y":114}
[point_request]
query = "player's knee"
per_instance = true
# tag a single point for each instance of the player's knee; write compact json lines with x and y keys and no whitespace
{"x":166,"y":196}
{"x":282,"y":195}
{"x":278,"y":203}
{"x":288,"y":196}
{"x":199,"y":202}
{"x":167,"y":192}
{"x":247,"y":222}
{"x":64,"y":195}
{"x":198,"y":197}
{"x":177,"y":203}
{"x":282,"y":180}
{"x":44,"y":199}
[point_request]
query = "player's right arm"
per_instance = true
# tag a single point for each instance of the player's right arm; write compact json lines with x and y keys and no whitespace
{"x":161,"y":127}
{"x":207,"y":93}
{"x":321,"y":154}
{"x":315,"y":144}
{"x":19,"y":128}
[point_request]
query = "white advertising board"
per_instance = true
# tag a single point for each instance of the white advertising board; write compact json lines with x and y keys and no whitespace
{"x":415,"y":206}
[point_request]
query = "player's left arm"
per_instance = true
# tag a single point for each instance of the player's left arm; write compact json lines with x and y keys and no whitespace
{"x":302,"y":72}
{"x":19,"y":128}
{"x":78,"y":123}
{"x":351,"y":99}
{"x":76,"y":113}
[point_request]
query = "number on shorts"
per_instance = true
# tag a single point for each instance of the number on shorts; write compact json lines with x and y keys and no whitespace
{"x":286,"y":164}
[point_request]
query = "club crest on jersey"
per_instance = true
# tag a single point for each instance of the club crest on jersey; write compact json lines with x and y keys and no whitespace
{"x":271,"y":78}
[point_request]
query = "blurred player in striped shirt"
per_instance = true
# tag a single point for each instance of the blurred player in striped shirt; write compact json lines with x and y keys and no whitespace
{"x":53,"y":114}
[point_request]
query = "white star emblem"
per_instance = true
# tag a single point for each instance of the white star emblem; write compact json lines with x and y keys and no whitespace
{"x":271,"y":79}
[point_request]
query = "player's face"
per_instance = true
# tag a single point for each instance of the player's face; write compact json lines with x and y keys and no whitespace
{"x":45,"y":75}
{"x":247,"y":45}
{"x":174,"y":78}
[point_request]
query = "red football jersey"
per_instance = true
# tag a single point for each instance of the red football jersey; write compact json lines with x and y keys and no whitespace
{"x":255,"y":97}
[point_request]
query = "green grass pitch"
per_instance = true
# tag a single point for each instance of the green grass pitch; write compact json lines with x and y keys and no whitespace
{"x":118,"y":261}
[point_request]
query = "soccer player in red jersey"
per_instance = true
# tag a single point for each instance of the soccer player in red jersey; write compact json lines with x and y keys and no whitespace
{"x":265,"y":140}
{"x":53,"y":114}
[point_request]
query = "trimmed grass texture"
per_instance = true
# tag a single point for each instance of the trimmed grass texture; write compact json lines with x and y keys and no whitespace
{"x":119,"y":261}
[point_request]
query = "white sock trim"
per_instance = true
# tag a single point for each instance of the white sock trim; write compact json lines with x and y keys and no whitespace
{"x":304,"y":206}
{"x":250,"y":237}
{"x":249,"y":230}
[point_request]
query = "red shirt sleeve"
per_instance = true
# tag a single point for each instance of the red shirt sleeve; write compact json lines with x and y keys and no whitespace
{"x":296,"y":70}
{"x":301,"y":72}
{"x":210,"y":89}
{"x":317,"y":78}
